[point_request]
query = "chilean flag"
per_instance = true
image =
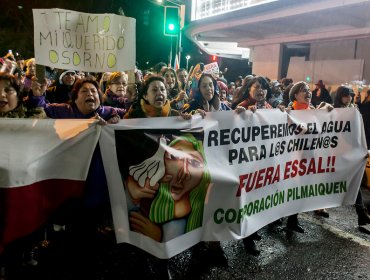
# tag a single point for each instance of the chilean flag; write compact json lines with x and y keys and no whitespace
{"x":42,"y":164}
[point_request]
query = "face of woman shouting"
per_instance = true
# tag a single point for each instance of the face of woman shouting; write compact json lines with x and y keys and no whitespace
{"x":156,"y":94}
{"x":304,"y":95}
{"x":87,"y":99}
{"x":257,"y":92}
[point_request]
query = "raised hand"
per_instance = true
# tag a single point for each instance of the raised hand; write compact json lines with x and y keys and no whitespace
{"x":37,"y":88}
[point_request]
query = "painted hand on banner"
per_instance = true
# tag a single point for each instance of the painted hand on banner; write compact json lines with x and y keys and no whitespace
{"x":137,"y":192}
{"x":152,"y":168}
{"x":143,"y":225}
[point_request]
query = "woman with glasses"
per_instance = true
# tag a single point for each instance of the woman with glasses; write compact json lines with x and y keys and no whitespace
{"x":117,"y":93}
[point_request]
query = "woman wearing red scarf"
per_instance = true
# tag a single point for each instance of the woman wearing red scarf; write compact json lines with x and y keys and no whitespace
{"x":254,"y":97}
{"x":257,"y":92}
{"x":300,"y":95}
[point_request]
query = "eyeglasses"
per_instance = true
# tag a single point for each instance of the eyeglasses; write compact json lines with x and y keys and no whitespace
{"x":119,"y":83}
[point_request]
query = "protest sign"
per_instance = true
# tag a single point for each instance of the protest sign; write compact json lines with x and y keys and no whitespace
{"x":211,"y":68}
{"x":86,"y":42}
{"x":174,"y":183}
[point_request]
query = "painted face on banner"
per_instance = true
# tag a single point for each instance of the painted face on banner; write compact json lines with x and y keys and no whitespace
{"x":184,"y":168}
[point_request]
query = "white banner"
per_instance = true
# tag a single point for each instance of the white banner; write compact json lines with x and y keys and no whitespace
{"x":86,"y":42}
{"x":173,"y":183}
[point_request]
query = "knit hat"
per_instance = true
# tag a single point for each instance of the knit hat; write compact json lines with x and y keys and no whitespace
{"x":64,"y":73}
{"x":320,"y":83}
{"x":222,"y":86}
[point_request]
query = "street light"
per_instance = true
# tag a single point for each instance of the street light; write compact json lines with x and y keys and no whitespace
{"x":187,"y":62}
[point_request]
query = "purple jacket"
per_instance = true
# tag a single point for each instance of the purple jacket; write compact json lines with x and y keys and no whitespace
{"x":67,"y":111}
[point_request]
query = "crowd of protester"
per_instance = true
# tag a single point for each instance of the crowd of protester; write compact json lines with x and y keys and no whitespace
{"x":159,"y":92}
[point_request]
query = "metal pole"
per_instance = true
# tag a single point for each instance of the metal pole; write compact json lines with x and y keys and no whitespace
{"x":180,"y":48}
{"x":170,"y":58}
{"x":177,"y":47}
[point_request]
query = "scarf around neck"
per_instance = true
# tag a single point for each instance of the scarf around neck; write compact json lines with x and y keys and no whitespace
{"x":300,"y":106}
{"x":151,"y":111}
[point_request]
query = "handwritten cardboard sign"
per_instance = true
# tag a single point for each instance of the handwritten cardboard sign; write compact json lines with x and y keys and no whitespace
{"x":86,"y":42}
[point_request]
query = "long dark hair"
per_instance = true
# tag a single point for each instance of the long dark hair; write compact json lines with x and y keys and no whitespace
{"x":342,"y":91}
{"x":172,"y":93}
{"x":264,"y":84}
{"x":198,"y":94}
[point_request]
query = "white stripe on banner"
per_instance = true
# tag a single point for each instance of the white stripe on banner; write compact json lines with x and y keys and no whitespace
{"x":37,"y":150}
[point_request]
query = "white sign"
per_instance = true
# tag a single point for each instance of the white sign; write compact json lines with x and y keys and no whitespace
{"x":174,"y":183}
{"x":86,"y":42}
{"x":211,"y":68}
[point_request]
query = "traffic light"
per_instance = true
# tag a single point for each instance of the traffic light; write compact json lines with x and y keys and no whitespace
{"x":171,"y":21}
{"x":214,"y":58}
